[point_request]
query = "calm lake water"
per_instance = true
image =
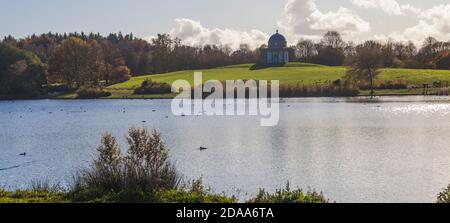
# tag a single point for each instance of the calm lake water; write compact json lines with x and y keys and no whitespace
{"x":396,"y":150}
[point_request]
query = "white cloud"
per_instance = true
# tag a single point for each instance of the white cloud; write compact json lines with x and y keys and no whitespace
{"x":410,"y":8}
{"x":391,"y":7}
{"x":302,"y":20}
{"x":195,"y":34}
{"x":432,"y":22}
{"x":439,"y":18}
{"x":303,"y":17}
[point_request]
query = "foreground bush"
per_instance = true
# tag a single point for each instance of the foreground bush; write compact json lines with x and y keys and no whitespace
{"x":137,"y":176}
{"x":91,"y":93}
{"x":287,"y":195}
{"x":444,"y":196}
{"x":194,"y":192}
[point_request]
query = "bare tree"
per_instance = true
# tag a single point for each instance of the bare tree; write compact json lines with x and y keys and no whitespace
{"x":333,"y":39}
{"x":429,"y":50}
{"x":349,"y":49}
{"x":305,"y":50}
{"x":388,"y":54}
{"x":365,"y":64}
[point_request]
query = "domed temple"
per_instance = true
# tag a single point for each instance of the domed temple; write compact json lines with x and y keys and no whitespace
{"x":277,"y":51}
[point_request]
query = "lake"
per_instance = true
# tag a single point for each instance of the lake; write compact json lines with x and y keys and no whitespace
{"x":395,"y":150}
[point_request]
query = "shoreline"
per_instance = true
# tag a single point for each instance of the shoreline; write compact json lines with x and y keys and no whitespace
{"x":128,"y":94}
{"x":375,"y":97}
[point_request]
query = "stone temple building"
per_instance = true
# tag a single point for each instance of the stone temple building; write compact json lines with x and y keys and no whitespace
{"x":277,"y":51}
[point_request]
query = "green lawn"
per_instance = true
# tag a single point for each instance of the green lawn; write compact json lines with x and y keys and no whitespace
{"x":29,"y":196}
{"x":415,"y":76}
{"x":292,"y":73}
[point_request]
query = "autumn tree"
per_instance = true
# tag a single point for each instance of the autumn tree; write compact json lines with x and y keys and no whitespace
{"x":95,"y":66}
{"x":431,"y":49}
{"x":112,"y":58}
{"x":442,"y":61}
{"x":22,"y":73}
{"x":162,"y":46}
{"x":75,"y":62}
{"x":119,"y":74}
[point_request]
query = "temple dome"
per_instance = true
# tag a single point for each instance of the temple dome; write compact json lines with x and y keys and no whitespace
{"x":277,"y":40}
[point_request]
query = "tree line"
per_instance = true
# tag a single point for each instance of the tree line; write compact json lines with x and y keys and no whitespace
{"x":31,"y":65}
{"x":78,"y":59}
{"x":332,"y":50}
{"x":162,"y":54}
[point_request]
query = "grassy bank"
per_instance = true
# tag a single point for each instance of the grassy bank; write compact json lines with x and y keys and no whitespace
{"x":32,"y":196}
{"x":290,"y":74}
{"x":284,"y":195}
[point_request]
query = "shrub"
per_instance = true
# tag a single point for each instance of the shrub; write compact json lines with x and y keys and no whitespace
{"x":137,"y":176}
{"x":119,"y":74}
{"x":287,"y":196}
{"x":45,"y":186}
{"x":58,"y":88}
{"x":335,"y":89}
{"x":195,"y":192}
{"x":91,"y":93}
{"x":393,"y":85}
{"x":385,"y":85}
{"x":150,"y":87}
{"x":444,"y":196}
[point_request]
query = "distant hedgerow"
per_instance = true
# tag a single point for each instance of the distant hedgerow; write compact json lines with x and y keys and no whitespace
{"x":150,"y":87}
{"x":87,"y":92}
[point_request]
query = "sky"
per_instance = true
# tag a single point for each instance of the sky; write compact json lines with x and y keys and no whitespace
{"x":232,"y":22}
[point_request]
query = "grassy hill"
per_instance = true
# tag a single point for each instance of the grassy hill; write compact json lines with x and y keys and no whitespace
{"x":291,"y":73}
